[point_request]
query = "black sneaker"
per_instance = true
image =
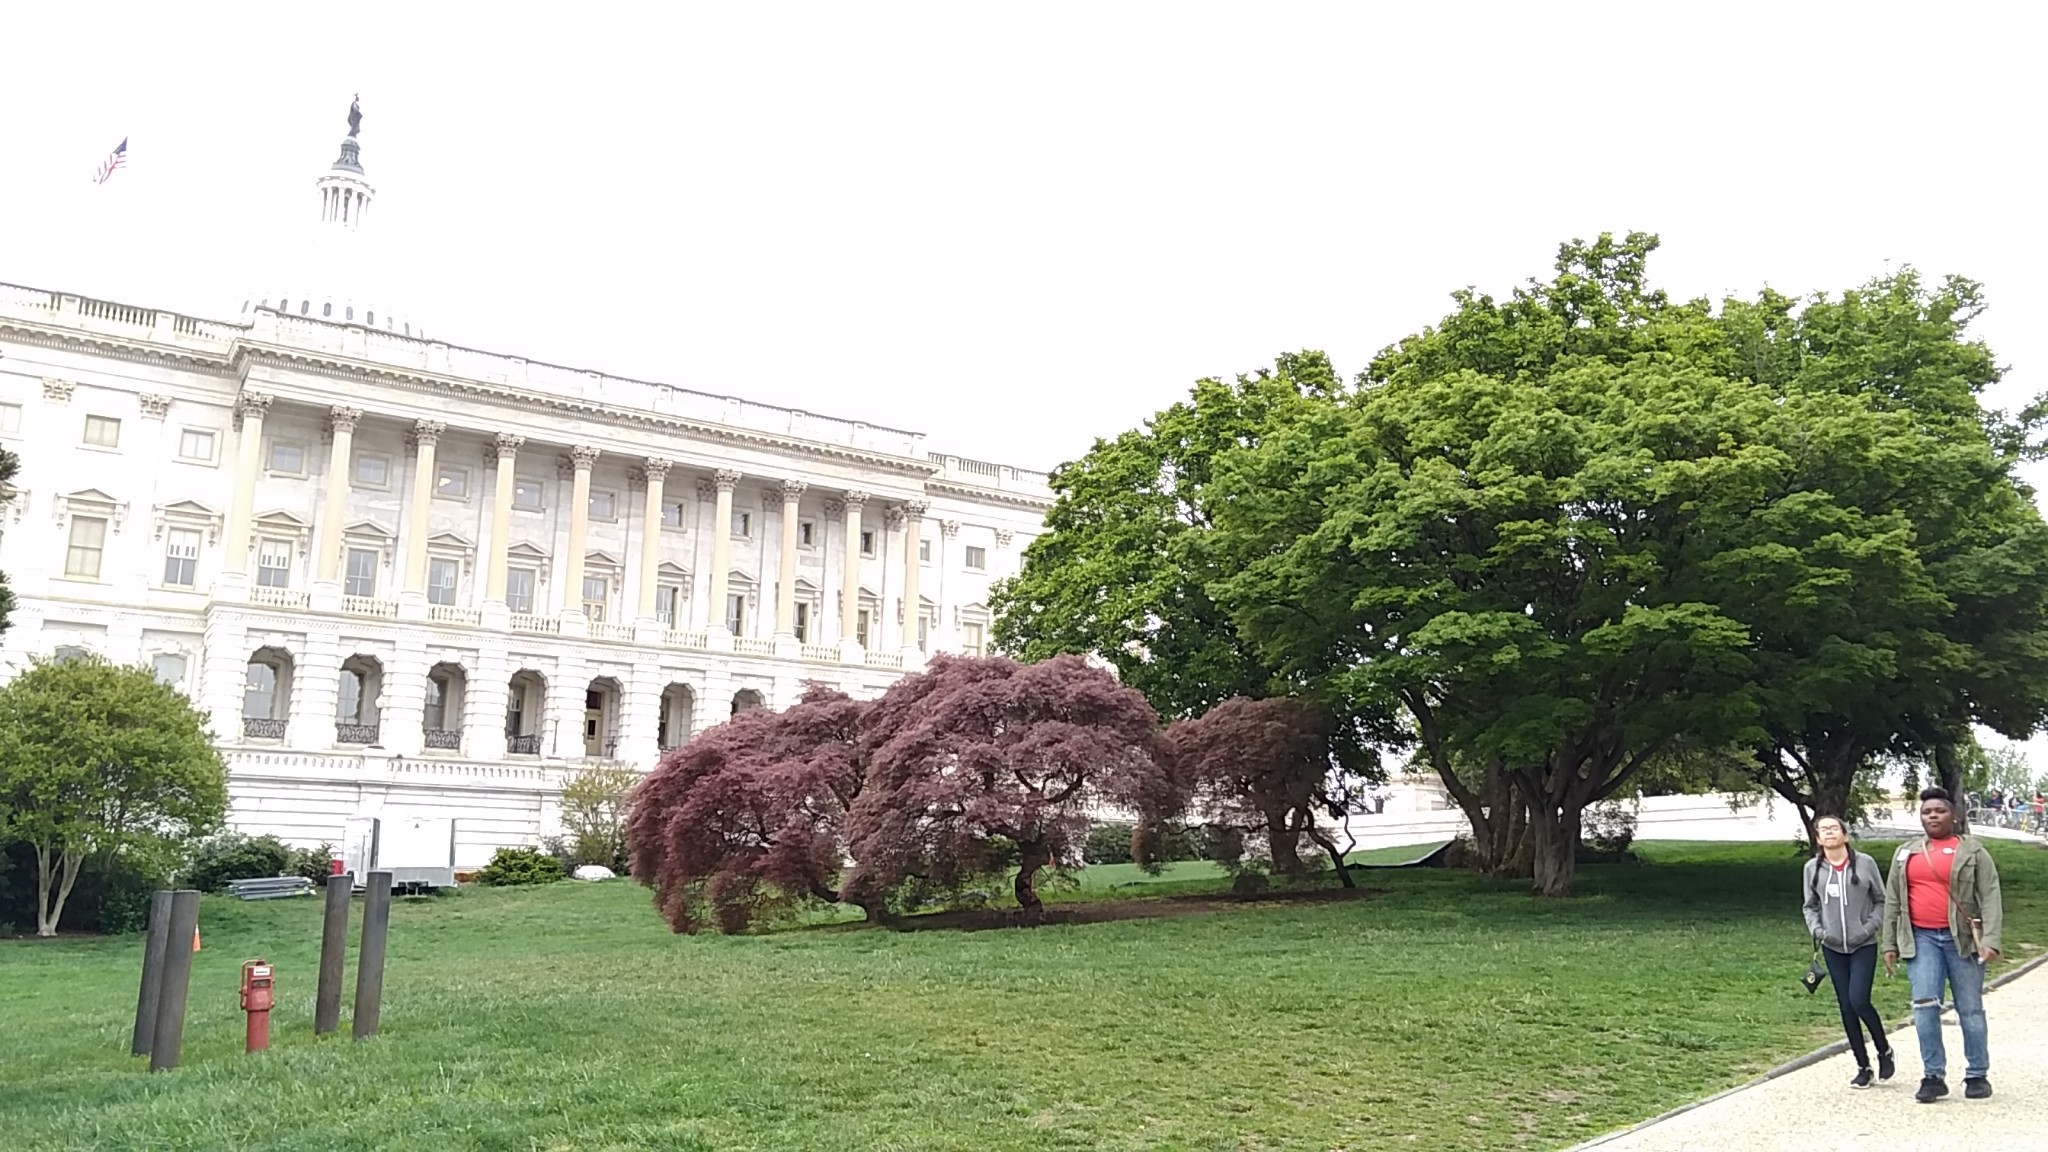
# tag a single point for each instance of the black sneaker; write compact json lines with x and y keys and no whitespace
{"x":1862,"y":1079}
{"x":1932,"y":1088}
{"x":1885,"y":1067}
{"x":1977,"y":1088}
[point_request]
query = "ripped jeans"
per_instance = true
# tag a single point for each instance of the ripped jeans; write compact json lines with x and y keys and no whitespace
{"x":1936,"y":961}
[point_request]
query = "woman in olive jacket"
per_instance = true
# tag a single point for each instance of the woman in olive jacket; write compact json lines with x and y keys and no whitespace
{"x":1844,"y":910}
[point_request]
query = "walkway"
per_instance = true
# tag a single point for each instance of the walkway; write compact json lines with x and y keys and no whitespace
{"x":1815,"y":1110}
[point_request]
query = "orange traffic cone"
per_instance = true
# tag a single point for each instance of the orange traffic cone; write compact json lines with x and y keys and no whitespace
{"x":195,"y":937}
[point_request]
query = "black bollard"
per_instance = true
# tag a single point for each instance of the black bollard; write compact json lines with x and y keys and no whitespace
{"x":152,"y":971}
{"x":169,"y":1039}
{"x":370,"y":957}
{"x":333,"y":944}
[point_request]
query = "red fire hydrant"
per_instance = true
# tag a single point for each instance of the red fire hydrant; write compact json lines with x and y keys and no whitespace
{"x":256,"y":998}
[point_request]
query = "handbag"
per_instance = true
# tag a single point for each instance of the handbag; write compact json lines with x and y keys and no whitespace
{"x":1814,"y":972}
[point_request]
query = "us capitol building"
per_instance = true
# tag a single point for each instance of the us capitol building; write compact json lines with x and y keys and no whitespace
{"x":405,"y":576}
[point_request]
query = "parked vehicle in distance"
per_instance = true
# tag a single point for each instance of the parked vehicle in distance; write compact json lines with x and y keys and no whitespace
{"x":418,"y":851}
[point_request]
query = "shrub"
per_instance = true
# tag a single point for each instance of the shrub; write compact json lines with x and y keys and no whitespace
{"x":1608,"y":828}
{"x":1107,"y":844}
{"x":514,"y":866}
{"x":233,"y":856}
{"x":314,"y":864}
{"x":111,"y":894}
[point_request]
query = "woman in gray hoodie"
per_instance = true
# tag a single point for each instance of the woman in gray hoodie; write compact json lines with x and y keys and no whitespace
{"x":1844,"y":909}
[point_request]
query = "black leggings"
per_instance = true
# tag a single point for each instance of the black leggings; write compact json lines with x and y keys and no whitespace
{"x":1852,"y":973}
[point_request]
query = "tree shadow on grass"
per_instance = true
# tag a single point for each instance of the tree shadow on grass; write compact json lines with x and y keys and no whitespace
{"x":1110,"y":911}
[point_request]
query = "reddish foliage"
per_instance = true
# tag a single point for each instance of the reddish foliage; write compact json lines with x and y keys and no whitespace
{"x":1260,"y":766}
{"x":749,"y":811}
{"x":974,"y":749}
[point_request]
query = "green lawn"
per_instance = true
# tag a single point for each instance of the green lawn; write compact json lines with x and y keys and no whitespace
{"x":1449,"y":1012}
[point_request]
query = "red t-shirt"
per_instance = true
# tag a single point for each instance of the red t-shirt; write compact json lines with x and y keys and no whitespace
{"x":1927,"y":877}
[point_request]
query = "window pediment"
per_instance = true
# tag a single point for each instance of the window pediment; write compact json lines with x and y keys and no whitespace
{"x":283,"y":525}
{"x":671,"y":572}
{"x":451,"y":545}
{"x":602,"y":562}
{"x":187,"y":514}
{"x":90,"y":502}
{"x":739,"y":581}
{"x":373,"y":536}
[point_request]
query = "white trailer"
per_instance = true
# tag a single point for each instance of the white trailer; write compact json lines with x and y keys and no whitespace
{"x":418,"y":851}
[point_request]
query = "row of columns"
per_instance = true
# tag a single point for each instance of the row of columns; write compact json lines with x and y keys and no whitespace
{"x":252,"y":407}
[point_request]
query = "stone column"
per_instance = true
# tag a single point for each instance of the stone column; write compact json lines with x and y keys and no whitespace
{"x":849,"y":593}
{"x":342,"y":421}
{"x":656,"y":471}
{"x":721,"y":546}
{"x":948,"y":624}
{"x":483,"y":701}
{"x":249,"y":412}
{"x":506,"y":452}
{"x":913,"y":535}
{"x":640,"y":718}
{"x":425,"y":435}
{"x":785,"y":578}
{"x":581,"y":458}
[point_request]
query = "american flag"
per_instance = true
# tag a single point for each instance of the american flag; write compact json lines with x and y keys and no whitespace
{"x":118,"y":157}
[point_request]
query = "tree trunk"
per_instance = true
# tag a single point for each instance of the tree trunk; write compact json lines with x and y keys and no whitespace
{"x":1283,"y":844}
{"x":1033,"y":857}
{"x":1329,"y":848}
{"x":48,"y":912}
{"x":1519,"y":861}
{"x":1555,"y":848}
{"x":1950,"y":770}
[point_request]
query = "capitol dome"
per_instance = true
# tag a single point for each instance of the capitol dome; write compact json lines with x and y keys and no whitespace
{"x":329,"y":275}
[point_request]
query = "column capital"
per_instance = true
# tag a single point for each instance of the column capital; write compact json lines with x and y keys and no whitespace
{"x":894,"y":516}
{"x":154,"y":407}
{"x":251,"y":404}
{"x":342,"y":418}
{"x":727,"y":479}
{"x":705,"y":488}
{"x":793,"y":490}
{"x":426,"y":433}
{"x":835,"y":508}
{"x":655,"y":468}
{"x":1003,"y":537}
{"x":915,"y":509}
{"x":506,"y":445}
{"x":949,"y":528}
{"x":854,"y":501}
{"x":582,"y":456}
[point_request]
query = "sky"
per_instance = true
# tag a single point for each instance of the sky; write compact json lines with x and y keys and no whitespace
{"x":1015,"y":228}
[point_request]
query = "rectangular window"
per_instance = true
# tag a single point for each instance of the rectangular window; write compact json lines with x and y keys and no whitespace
{"x":671,"y":514}
{"x":803,"y":623}
{"x":867,"y":542}
{"x":924,"y":551}
{"x":437,"y":707}
{"x":88,"y":538}
{"x":666,"y":597}
{"x":181,"y":558}
{"x":451,"y":483}
{"x":103,"y":431}
{"x":977,"y":558}
{"x":442,"y":574}
{"x":527,"y":494}
{"x":287,"y":458}
{"x":372,"y":471}
{"x":971,"y":642}
{"x":519,"y":583}
{"x":10,"y":418}
{"x":274,"y":564}
{"x":362,"y":573}
{"x":735,"y":614}
{"x":743,"y":524}
{"x":806,"y":534}
{"x":594,"y":588}
{"x":196,"y":445}
{"x":169,"y":668}
{"x":604,"y":505}
{"x":924,"y":632}
{"x":860,"y":626}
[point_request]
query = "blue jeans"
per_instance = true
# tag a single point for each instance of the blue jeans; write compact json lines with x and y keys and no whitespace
{"x":1935,"y":961}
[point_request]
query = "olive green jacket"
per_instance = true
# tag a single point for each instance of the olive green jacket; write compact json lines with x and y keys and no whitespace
{"x":1972,"y":896}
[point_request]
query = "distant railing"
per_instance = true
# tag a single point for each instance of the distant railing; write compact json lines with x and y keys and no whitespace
{"x":370,"y":606}
{"x":279,"y":598}
{"x":885,"y":660}
{"x":822,"y":653}
{"x":444,"y":741}
{"x":523,"y":745}
{"x":622,"y":633}
{"x":450,"y":614}
{"x":262,"y":728}
{"x":538,"y":625}
{"x":695,"y":641}
{"x":355,"y":733}
{"x":748,"y":646}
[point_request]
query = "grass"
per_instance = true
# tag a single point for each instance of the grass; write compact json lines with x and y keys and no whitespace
{"x":1447,"y":1012}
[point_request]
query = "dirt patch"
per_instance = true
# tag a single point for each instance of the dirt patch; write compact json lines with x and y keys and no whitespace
{"x":1109,"y":911}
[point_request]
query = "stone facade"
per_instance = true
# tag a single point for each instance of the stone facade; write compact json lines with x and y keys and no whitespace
{"x":401,"y":574}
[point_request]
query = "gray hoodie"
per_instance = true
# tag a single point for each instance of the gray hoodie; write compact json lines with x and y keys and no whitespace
{"x":1844,"y":914}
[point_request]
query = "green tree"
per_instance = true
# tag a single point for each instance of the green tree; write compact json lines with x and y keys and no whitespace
{"x":1122,"y":570}
{"x":594,"y":812}
{"x":96,"y":758}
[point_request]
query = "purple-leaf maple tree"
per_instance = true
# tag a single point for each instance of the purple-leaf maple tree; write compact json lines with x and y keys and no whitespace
{"x":1262,"y":767}
{"x":751,"y":813}
{"x":977,"y":749}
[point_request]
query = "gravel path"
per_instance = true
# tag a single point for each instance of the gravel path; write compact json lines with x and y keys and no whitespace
{"x":1815,"y":1110}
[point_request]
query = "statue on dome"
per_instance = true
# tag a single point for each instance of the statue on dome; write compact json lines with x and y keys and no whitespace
{"x":355,"y":115}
